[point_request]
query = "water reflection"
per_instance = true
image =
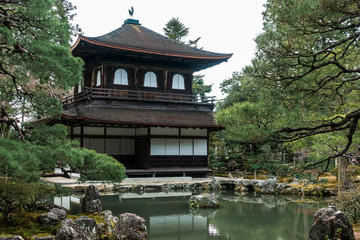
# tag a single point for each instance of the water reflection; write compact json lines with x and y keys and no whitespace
{"x":247,"y":216}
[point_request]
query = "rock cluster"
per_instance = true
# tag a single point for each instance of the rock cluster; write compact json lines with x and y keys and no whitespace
{"x":52,"y":217}
{"x":203,"y":201}
{"x":330,"y":223}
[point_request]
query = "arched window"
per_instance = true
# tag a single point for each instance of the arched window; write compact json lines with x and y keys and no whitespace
{"x":121,"y":77}
{"x":178,"y":82}
{"x":98,"y":78}
{"x":150,"y":80}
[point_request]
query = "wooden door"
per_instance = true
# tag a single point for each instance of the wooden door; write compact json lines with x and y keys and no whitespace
{"x":142,"y":153}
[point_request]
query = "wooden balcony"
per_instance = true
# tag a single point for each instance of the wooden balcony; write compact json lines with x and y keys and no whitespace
{"x":116,"y":94}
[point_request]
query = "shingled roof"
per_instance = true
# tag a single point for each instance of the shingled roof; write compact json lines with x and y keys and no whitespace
{"x":138,"y":39}
{"x":141,"y":117}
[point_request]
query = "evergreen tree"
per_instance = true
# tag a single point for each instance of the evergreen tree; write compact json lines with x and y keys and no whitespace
{"x":177,"y":31}
{"x":36,"y":65}
{"x":36,"y":70}
{"x":310,"y":50}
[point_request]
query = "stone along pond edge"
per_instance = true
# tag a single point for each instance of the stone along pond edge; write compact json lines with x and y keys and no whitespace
{"x":268,"y":186}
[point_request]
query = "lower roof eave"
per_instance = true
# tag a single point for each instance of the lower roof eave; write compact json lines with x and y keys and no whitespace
{"x":71,"y":119}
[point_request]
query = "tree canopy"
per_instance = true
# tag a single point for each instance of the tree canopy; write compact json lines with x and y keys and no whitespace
{"x":36,"y":70}
{"x":310,"y":50}
{"x":36,"y":65}
{"x":305,"y":75}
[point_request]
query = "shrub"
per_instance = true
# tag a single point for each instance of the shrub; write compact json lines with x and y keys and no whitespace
{"x":12,"y":196}
{"x":349,"y":203}
{"x":17,"y":195}
{"x":36,"y":193}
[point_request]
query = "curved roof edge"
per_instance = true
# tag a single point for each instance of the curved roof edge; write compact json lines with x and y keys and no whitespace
{"x":223,"y":57}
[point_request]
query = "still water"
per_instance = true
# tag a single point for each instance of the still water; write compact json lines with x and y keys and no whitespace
{"x":251,"y":216}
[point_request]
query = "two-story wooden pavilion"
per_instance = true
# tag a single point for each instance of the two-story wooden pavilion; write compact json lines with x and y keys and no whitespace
{"x":136,"y":103}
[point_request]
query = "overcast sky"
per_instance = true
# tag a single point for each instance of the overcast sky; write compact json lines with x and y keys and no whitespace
{"x":227,"y":26}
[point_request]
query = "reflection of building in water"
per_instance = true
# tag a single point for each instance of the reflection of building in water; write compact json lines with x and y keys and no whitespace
{"x":72,"y":204}
{"x":167,"y":215}
{"x":179,"y":226}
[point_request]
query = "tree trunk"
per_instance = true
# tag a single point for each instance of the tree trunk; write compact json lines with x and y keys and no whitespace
{"x":345,"y":179}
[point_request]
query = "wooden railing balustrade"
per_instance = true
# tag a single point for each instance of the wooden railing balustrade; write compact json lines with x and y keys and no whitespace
{"x":118,"y":94}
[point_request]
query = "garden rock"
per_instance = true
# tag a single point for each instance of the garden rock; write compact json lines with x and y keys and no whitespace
{"x":268,"y":186}
{"x":215,"y":184}
{"x":197,"y":186}
{"x":89,"y":224}
{"x":91,"y":202}
{"x":203,"y":201}
{"x":110,"y":220}
{"x":280,"y":187}
{"x":70,"y":230}
{"x":291,"y":191}
{"x":130,"y":226}
{"x":330,"y":223}
{"x":52,"y":217}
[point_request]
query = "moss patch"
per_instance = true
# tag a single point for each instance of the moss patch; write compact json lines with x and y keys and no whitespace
{"x":27,"y":224}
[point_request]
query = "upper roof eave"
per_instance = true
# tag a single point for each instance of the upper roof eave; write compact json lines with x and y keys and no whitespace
{"x":223,"y":57}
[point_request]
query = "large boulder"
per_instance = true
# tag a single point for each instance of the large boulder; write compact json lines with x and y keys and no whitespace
{"x":330,"y":223}
{"x":70,"y":230}
{"x":130,"y":227}
{"x":203,"y":201}
{"x":91,"y":202}
{"x":215,"y":184}
{"x":89,"y":224}
{"x":110,"y":220}
{"x":269,"y":186}
{"x":52,"y":217}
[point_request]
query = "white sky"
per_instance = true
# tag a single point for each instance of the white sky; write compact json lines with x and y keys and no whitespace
{"x":228,"y":26}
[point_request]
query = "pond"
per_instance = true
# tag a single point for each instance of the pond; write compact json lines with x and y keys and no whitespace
{"x":240,"y":216}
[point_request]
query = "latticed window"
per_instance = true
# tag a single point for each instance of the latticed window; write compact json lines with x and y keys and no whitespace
{"x":121,"y":77}
{"x":178,"y":82}
{"x":150,"y":80}
{"x":98,"y":78}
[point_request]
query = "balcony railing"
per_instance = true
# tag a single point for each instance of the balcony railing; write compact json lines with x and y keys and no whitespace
{"x":117,"y":94}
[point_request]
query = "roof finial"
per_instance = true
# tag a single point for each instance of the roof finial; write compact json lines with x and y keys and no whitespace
{"x":131,"y":12}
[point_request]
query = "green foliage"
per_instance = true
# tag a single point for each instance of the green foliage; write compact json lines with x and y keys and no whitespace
{"x":96,"y":166}
{"x":301,"y":91}
{"x":59,"y":190}
{"x":309,"y":51}
{"x":176,"y":30}
{"x":18,"y":160}
{"x":18,"y":195}
{"x":199,"y":88}
{"x":276,"y":168}
{"x":36,"y":65}
{"x":349,"y":203}
{"x":12,"y":196}
{"x":35,"y":193}
{"x":48,"y":148}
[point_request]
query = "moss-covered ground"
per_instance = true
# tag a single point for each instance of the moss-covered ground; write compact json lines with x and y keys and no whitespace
{"x":27,"y":224}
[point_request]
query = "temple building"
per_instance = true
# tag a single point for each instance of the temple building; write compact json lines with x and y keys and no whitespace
{"x":137,"y":104}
